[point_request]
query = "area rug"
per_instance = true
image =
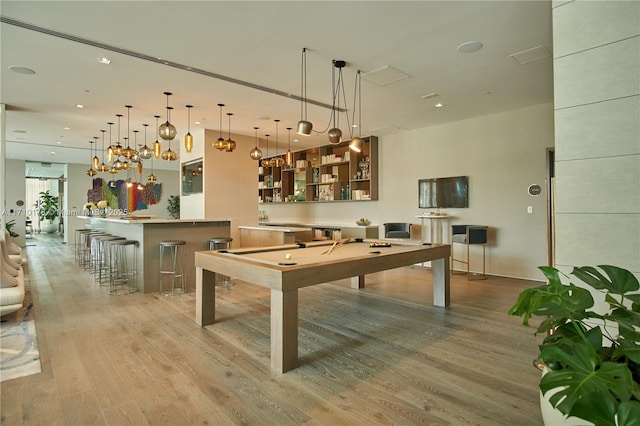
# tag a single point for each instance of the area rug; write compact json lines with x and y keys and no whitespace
{"x":19,"y":354}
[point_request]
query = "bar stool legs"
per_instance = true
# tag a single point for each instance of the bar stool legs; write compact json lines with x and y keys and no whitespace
{"x":123,"y":269}
{"x":172,"y":261}
{"x":221,"y":244}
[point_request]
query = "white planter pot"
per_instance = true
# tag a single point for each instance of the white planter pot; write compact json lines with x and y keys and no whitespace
{"x":49,"y":228}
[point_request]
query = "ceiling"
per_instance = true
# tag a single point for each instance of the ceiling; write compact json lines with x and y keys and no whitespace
{"x":259,"y":43}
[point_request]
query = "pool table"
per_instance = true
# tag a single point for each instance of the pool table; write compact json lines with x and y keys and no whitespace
{"x":286,"y":268}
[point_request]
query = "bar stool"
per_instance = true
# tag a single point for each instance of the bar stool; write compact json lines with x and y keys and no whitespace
{"x":221,"y":243}
{"x":87,"y":259}
{"x":123,"y":266}
{"x":172,"y":265}
{"x":81,"y":243}
{"x":101,"y":263}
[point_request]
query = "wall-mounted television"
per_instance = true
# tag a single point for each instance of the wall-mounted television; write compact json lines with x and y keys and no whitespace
{"x":446,"y":192}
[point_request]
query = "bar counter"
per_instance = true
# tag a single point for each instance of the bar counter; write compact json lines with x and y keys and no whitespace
{"x":149,"y":232}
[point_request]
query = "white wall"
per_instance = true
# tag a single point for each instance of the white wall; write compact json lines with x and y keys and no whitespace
{"x":597,"y":106}
{"x":14,"y":192}
{"x":502,"y":154}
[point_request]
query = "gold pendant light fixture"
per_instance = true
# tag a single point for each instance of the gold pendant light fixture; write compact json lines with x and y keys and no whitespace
{"x":135,"y":158}
{"x":304,"y":126}
{"x":335,"y":134}
{"x":267,"y":161}
{"x":145,"y":152}
{"x":288,"y":157}
{"x":167,"y":131}
{"x":188,"y":138}
{"x":91,"y":172}
{"x":128,"y":152}
{"x":230,"y":144}
{"x":277,"y":161}
{"x":255,"y":153}
{"x":102,"y":167}
{"x":357,"y":143}
{"x":152,"y":177}
{"x":168,"y":155}
{"x":220,"y":144}
{"x":117,"y":149}
{"x":95,"y":161}
{"x":110,"y":147}
{"x":157,"y":147}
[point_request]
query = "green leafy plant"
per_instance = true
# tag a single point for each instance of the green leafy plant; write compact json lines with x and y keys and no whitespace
{"x":48,"y":207}
{"x":9,"y":227}
{"x":173,"y":206}
{"x":593,"y":358}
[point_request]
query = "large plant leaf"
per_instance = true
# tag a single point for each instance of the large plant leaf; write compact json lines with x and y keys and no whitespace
{"x":629,"y":413}
{"x":620,"y":280}
{"x":584,"y":379}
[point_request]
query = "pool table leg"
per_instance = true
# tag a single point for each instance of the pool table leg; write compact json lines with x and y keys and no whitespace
{"x":357,"y":282}
{"x":284,"y":330}
{"x":441,"y":282}
{"x":205,"y":297}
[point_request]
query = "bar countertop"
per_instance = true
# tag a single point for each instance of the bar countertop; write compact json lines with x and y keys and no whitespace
{"x":126,"y":219}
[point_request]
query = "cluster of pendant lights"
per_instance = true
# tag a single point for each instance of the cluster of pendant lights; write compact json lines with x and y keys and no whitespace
{"x":168,"y":132}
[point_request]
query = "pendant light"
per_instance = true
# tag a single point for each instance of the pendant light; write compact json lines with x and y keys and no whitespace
{"x":95,"y":161}
{"x":152,"y":177}
{"x":135,"y":158}
{"x":102,"y":167}
{"x":277,"y":161}
{"x":219,"y":143}
{"x":230,"y":144}
{"x":267,"y":161}
{"x":145,"y":152}
{"x":335,"y":134}
{"x":288,"y":157}
{"x":304,"y":126}
{"x":117,"y":150}
{"x":128,"y":152}
{"x":167,"y":131}
{"x":110,"y":147}
{"x":125,"y":164}
{"x":91,"y":172}
{"x":188,"y":138}
{"x":255,"y":153}
{"x":157,"y":147}
{"x":168,"y":155}
{"x":357,"y":143}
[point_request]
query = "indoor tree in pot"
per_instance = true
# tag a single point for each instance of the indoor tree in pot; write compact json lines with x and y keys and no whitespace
{"x":592,"y":358}
{"x":48,"y":211}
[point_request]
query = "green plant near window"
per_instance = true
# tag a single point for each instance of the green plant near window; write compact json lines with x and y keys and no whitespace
{"x":593,"y":358}
{"x":48,"y":207}
{"x":173,"y":206}
{"x":9,"y":227}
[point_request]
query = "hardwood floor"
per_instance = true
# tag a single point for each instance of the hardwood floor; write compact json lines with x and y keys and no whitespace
{"x":381,"y":355}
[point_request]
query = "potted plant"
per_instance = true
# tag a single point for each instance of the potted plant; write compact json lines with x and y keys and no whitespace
{"x":9,"y":227}
{"x":592,"y":359}
{"x":173,"y":206}
{"x":48,"y":211}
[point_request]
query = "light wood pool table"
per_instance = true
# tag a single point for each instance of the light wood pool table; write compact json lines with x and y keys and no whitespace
{"x":309,"y":264}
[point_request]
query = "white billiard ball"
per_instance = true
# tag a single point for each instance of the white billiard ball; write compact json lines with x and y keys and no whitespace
{"x":287,"y":256}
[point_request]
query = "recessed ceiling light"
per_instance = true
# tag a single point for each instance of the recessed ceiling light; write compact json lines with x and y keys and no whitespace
{"x":79,"y":106}
{"x":439,"y":105}
{"x":197,"y":122}
{"x":296,"y":140}
{"x":430,"y":95}
{"x":470,"y":47}
{"x":66,"y":128}
{"x":53,"y":153}
{"x":19,"y":131}
{"x":59,"y":143}
{"x":21,"y":70}
{"x":104,"y":60}
{"x":263,"y":117}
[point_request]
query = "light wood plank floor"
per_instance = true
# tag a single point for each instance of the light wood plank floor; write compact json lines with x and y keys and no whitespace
{"x":382,"y":355}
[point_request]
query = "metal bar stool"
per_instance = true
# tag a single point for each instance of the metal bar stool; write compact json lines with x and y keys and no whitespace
{"x":221,"y":243}
{"x":101,"y":264}
{"x":172,"y":266}
{"x":123,"y":266}
{"x":87,"y":259}
{"x":81,"y":243}
{"x":468,"y":235}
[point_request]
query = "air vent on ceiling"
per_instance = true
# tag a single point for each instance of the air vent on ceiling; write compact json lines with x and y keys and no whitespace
{"x":384,"y":75}
{"x":45,"y":164}
{"x":530,"y":55}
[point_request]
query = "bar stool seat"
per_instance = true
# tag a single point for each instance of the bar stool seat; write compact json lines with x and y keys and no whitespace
{"x":123,"y":266}
{"x":172,"y":266}
{"x":101,"y":263}
{"x":221,"y":243}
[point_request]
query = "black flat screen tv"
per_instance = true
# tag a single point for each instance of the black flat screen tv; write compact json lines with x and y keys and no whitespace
{"x":447,"y":192}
